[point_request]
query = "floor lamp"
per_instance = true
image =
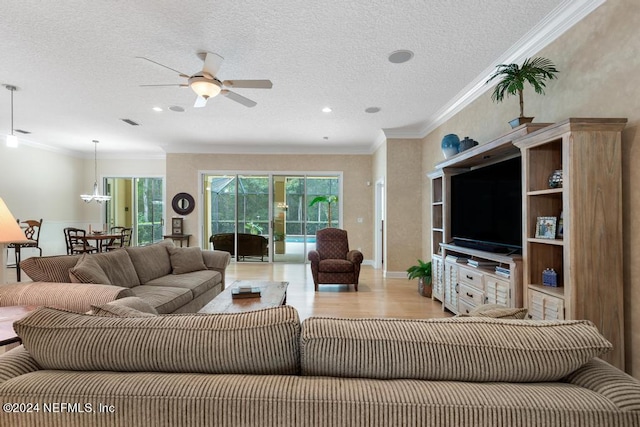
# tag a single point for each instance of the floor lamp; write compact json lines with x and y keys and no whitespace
{"x":10,"y":232}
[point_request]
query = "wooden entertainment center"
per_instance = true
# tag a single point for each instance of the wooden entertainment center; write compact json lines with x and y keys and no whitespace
{"x":587,"y":256}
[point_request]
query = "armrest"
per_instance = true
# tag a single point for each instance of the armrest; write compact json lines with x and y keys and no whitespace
{"x":78,"y":297}
{"x":16,"y":362}
{"x":355,"y":256}
{"x":218,"y":261}
{"x":314,"y":257}
{"x":608,"y":381}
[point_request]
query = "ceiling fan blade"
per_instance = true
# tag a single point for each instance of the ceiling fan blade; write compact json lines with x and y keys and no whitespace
{"x":200,"y":102}
{"x":162,"y":65}
{"x":212,"y":63}
{"x":238,"y":98}
{"x":254,"y":84}
{"x":169,"y":84}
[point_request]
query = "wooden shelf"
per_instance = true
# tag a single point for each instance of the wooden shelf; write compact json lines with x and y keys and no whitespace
{"x":554,"y":291}
{"x":545,"y":192}
{"x":558,"y":242}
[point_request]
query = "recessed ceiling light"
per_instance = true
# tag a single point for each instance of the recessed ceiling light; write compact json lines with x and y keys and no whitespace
{"x":176,"y":108}
{"x":157,"y":109}
{"x":372,"y":110}
{"x":327,"y":110}
{"x":400,"y":56}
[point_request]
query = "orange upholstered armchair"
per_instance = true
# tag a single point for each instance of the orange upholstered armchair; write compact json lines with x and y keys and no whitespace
{"x":332,"y":262}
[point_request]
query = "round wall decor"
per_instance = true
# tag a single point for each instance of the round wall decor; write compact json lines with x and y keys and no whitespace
{"x":183,"y":203}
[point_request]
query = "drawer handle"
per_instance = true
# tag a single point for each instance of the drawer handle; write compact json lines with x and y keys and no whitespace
{"x":530,"y":316}
{"x":469,"y":295}
{"x":469,"y":277}
{"x":467,"y":310}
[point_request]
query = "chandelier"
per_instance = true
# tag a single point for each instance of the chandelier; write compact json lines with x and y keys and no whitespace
{"x":99,"y":198}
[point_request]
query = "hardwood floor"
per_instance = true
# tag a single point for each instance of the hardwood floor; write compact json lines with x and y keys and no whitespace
{"x":376,"y":296}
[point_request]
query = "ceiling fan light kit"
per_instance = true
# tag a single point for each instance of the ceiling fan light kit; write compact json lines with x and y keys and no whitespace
{"x":99,"y":198}
{"x":204,"y":87}
{"x":206,"y":84}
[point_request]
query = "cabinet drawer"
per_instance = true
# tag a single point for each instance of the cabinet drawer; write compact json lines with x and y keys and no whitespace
{"x":471,"y":277}
{"x":464,"y":307}
{"x":471,"y":295}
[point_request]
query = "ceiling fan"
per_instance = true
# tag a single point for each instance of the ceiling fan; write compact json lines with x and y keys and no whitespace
{"x":206,"y":85}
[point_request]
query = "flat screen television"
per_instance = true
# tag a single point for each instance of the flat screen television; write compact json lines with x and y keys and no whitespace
{"x":486,"y":207}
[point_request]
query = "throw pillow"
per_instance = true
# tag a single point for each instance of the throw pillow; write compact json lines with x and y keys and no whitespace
{"x":118,"y":267}
{"x":262,"y":342}
{"x":186,"y":260}
{"x":152,"y":261}
{"x":498,"y":311}
{"x":87,"y":270}
{"x":477,"y":349}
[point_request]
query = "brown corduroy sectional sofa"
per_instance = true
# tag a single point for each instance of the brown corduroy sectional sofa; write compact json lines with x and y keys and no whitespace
{"x":171,"y":279}
{"x":123,"y":366}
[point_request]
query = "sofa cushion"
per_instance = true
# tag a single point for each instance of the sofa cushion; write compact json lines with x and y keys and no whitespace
{"x":454,"y":349}
{"x":335,"y":266}
{"x":50,"y":268}
{"x":164,"y":299}
{"x":87,"y":270}
{"x":151,"y":261}
{"x":186,"y":260}
{"x":197,"y":281}
{"x":259,"y":342}
{"x":135,"y":303}
{"x":107,"y":310}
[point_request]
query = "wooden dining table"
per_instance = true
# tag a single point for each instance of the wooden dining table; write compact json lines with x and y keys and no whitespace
{"x":100,"y":238}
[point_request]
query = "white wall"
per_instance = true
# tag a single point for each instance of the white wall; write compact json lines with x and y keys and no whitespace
{"x":37,"y":183}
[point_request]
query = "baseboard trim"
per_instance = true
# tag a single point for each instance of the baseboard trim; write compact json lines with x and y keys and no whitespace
{"x":395,"y":274}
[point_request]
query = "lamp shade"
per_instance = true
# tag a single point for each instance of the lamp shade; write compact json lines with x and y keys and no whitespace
{"x":10,"y":231}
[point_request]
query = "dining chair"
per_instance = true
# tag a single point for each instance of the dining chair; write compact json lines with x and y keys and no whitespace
{"x":76,"y":244}
{"x":122,"y":241}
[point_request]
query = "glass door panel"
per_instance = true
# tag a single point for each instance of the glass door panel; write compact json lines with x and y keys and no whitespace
{"x":253,"y":218}
{"x":220,"y":200}
{"x":288,"y":219}
{"x":149,"y":210}
{"x":137,"y":203}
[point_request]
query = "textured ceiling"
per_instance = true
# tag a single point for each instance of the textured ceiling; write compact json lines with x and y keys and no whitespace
{"x":75,"y":65}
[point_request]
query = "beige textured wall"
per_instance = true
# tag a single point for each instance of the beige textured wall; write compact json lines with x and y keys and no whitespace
{"x":404,"y":188}
{"x":599,"y":63}
{"x":183,"y":176}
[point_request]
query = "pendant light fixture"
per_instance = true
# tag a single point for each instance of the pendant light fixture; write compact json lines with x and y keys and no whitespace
{"x":12,"y":140}
{"x":99,"y":198}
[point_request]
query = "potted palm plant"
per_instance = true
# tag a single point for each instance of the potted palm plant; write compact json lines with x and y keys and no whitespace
{"x":328,"y":200}
{"x":422,"y":272}
{"x":534,"y":71}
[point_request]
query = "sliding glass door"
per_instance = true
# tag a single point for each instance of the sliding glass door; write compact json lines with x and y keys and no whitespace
{"x":267,"y":216}
{"x":137,"y":203}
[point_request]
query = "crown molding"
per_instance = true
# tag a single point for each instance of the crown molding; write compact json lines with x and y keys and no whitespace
{"x":561,"y":19}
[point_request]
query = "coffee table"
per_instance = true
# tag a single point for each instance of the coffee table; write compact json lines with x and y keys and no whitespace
{"x":273,"y":294}
{"x":8,"y":315}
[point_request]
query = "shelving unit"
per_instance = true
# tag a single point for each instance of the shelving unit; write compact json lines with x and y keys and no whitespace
{"x":437,"y":235}
{"x":447,"y":281}
{"x":588,"y":257}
